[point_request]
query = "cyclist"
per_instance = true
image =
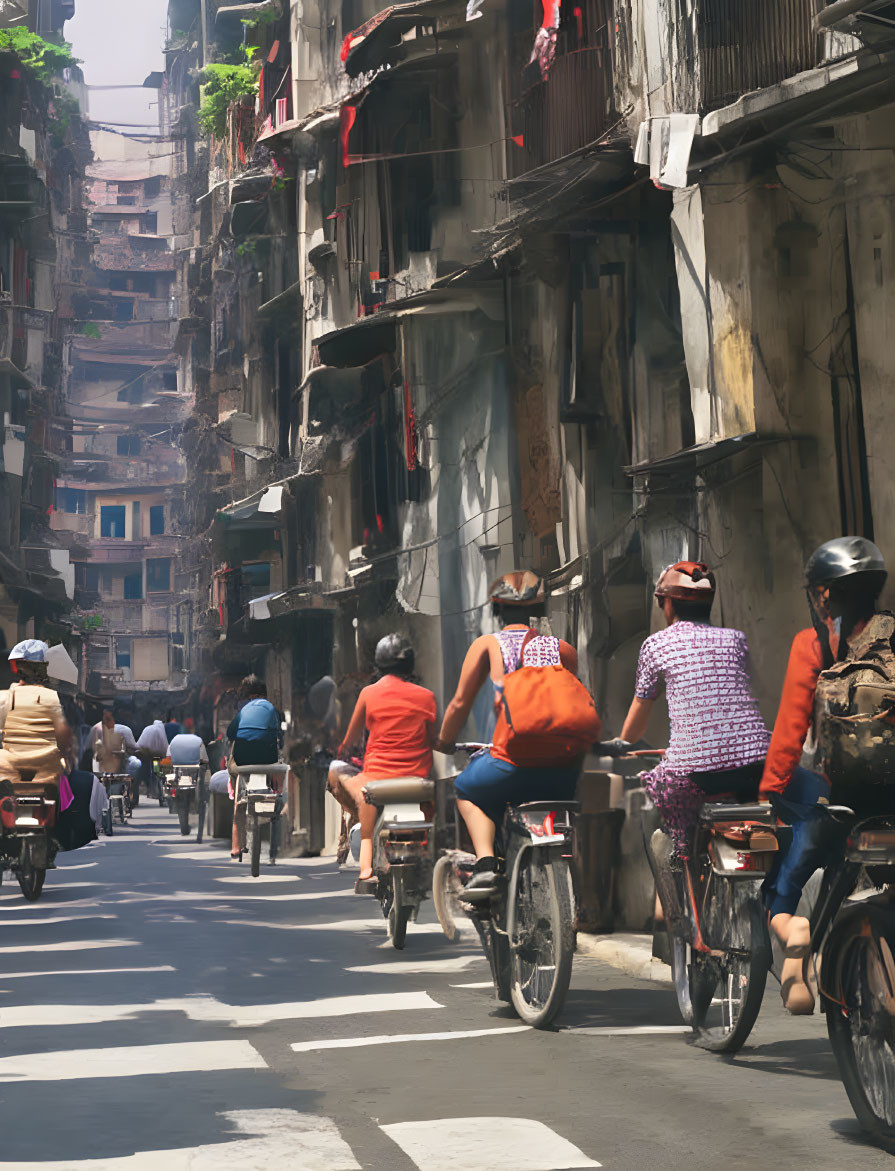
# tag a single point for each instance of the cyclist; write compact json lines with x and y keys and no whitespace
{"x":718,"y":739}
{"x":844,"y":578}
{"x":35,"y":732}
{"x":112,"y":744}
{"x":491,"y":781}
{"x":399,"y":717}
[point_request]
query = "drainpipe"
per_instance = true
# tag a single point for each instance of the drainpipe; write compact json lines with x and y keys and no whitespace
{"x":203,"y":12}
{"x":836,"y":12}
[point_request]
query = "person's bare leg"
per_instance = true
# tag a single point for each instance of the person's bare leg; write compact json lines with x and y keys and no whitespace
{"x":367,"y":815}
{"x":481,"y":828}
{"x":794,"y":932}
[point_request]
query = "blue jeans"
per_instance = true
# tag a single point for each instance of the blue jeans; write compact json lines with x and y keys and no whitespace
{"x":815,"y":837}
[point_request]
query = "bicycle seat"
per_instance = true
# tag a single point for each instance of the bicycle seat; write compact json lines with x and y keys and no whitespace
{"x":720,"y":812}
{"x":412,"y":790}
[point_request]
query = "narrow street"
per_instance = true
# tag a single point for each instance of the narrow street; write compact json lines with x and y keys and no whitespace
{"x":162,"y":1009}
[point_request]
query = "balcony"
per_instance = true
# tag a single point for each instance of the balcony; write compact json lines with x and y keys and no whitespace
{"x":743,"y":47}
{"x":571,"y":109}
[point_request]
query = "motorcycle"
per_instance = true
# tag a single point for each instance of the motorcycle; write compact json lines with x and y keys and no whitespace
{"x":27,"y":818}
{"x":403,"y":851}
{"x":527,"y":927}
{"x":186,"y":788}
{"x":260,"y":797}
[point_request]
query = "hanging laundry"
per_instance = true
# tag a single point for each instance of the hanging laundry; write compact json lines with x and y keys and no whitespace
{"x":474,"y":9}
{"x":544,"y":50}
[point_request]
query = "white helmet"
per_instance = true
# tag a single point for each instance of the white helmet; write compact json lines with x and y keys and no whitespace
{"x":32,"y":650}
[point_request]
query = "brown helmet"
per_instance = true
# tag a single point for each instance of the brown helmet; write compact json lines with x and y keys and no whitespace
{"x":687,"y":581}
{"x":521,"y":588}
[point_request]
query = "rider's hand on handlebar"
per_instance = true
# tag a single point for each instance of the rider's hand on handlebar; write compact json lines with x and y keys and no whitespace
{"x":616,"y":747}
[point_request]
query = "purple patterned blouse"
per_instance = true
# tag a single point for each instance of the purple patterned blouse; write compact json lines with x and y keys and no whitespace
{"x":715,"y":721}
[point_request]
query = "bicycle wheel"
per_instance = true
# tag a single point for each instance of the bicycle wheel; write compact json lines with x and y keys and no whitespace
{"x":107,"y":821}
{"x":183,"y":812}
{"x":726,"y":991}
{"x":862,"y":1028}
{"x":254,"y":835}
{"x":541,"y":954}
{"x":445,"y":889}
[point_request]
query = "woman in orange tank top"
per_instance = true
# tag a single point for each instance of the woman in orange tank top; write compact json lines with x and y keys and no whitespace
{"x":399,"y":717}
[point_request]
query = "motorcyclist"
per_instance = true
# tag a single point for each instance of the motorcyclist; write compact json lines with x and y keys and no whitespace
{"x":718,"y":738}
{"x":844,"y":578}
{"x":112,"y":744}
{"x":36,"y":736}
{"x":399,"y":717}
{"x":256,"y":737}
{"x":491,"y":781}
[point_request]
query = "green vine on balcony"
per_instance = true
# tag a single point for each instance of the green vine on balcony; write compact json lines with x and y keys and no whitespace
{"x":44,"y":59}
{"x":224,"y":84}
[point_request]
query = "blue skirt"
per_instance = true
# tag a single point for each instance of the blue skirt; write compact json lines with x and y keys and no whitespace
{"x":493,"y":784}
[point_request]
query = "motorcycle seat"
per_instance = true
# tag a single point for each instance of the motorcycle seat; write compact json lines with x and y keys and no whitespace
{"x":399,"y":790}
{"x":271,"y":770}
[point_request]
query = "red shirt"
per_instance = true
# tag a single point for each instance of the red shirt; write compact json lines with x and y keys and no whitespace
{"x":795,"y":714}
{"x":399,"y":715}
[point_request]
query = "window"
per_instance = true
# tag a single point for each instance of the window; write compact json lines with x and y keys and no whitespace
{"x":87,"y":576}
{"x":156,"y":520}
{"x":256,"y":580}
{"x":122,"y":652}
{"x":158,"y":575}
{"x":136,"y":527}
{"x":133,"y":587}
{"x":169,"y":380}
{"x":128,"y":444}
{"x":71,"y":500}
{"x":112,"y":521}
{"x":127,"y":201}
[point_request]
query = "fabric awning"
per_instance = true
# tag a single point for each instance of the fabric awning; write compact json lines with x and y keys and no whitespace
{"x":384,"y":35}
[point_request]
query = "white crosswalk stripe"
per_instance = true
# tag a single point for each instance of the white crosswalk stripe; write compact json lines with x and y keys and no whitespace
{"x":481,"y":1144}
{"x":68,"y":945}
{"x":401,"y":1038}
{"x":273,"y":1138}
{"x":130,"y":1061}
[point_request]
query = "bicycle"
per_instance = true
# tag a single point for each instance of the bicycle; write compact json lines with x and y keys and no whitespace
{"x":715,"y":917}
{"x":527,"y":927}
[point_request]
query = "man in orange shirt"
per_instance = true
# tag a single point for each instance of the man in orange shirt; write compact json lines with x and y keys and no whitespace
{"x":399,"y":717}
{"x":844,"y":578}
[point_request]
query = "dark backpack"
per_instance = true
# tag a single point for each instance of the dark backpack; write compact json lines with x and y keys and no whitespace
{"x":855,"y":717}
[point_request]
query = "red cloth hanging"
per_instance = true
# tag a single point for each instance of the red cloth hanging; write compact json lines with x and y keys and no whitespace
{"x":347,"y":118}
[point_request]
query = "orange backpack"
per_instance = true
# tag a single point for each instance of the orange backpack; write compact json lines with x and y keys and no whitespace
{"x":546,"y":717}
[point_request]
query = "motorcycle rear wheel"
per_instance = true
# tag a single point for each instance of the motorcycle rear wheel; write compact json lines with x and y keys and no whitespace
{"x":862,"y":1029}
{"x":254,"y":835}
{"x":31,"y":879}
{"x":398,"y":917}
{"x":541,"y":955}
{"x":183,"y":812}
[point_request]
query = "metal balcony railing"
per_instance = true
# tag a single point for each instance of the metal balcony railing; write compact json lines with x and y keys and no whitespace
{"x":748,"y":46}
{"x":572,"y":108}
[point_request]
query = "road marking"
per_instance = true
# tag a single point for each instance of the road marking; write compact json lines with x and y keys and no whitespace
{"x":83,"y":972}
{"x":400,"y":1038}
{"x":77,"y":866}
{"x":54,"y":919}
{"x":341,"y":925}
{"x":479,"y":984}
{"x":70,"y":945}
{"x":273,"y":1138}
{"x":307,"y":896}
{"x":626,"y":1030}
{"x":262,"y":879}
{"x":481,"y":1144}
{"x":421,"y":967}
{"x":210,"y":1010}
{"x":130,"y":1061}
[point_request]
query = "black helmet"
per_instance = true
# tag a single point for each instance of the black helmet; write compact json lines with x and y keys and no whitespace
{"x":394,"y":653}
{"x":844,"y":557}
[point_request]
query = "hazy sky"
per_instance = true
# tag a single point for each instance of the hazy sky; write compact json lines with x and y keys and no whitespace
{"x":120,"y":42}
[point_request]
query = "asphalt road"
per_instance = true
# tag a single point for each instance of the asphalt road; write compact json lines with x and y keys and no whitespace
{"x":160,"y":1009}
